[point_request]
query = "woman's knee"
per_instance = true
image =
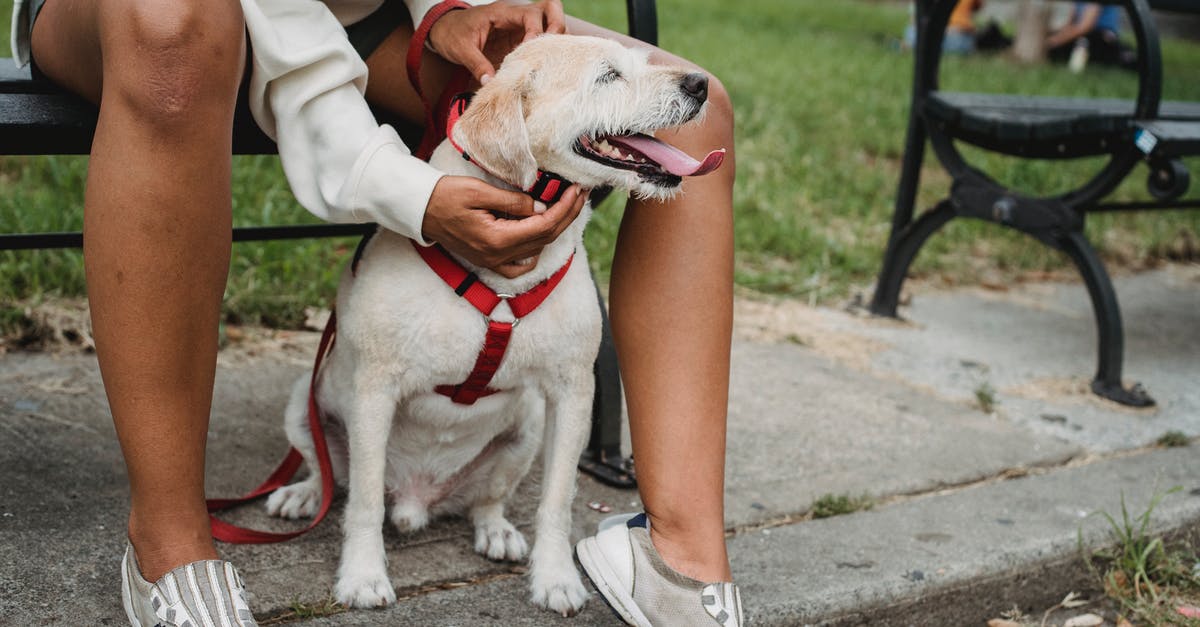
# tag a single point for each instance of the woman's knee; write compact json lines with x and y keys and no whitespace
{"x":714,"y":129}
{"x":719,"y":115}
{"x":171,"y":59}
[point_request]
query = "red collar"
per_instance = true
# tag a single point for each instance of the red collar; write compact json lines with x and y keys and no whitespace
{"x":548,"y":187}
{"x":467,"y":285}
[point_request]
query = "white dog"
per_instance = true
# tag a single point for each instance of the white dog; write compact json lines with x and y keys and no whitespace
{"x":583,"y":108}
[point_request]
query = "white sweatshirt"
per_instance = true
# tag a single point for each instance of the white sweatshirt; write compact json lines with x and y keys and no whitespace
{"x":306,"y":93}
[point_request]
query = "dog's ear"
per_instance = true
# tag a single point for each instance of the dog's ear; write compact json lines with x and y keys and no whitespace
{"x":493,"y":132}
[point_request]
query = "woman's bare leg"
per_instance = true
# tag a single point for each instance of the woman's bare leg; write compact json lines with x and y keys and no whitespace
{"x":157,"y":236}
{"x":671,"y":300}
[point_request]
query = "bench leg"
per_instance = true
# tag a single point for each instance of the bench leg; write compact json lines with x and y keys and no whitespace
{"x":901,"y":251}
{"x":1110,"y":334}
{"x":602,"y":458}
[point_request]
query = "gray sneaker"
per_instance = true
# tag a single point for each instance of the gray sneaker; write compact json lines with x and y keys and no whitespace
{"x":208,"y":592}
{"x":640,"y":587}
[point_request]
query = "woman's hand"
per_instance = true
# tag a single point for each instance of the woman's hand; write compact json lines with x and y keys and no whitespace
{"x":471,"y":218}
{"x":468,"y":37}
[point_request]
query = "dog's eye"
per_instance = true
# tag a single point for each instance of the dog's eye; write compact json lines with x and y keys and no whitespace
{"x":610,"y":75}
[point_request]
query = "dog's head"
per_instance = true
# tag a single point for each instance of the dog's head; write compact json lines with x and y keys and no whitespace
{"x":585,"y":108}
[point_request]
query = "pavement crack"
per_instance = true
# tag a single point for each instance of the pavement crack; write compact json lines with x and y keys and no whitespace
{"x":946,"y":489}
{"x":44,"y":417}
{"x":412,"y":592}
{"x":299,"y":611}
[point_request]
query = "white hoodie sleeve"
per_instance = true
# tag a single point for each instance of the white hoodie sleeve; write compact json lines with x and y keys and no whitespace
{"x":19,"y":42}
{"x":306,"y":92}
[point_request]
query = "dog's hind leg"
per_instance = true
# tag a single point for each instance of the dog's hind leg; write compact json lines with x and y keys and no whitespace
{"x":303,"y":498}
{"x":495,"y":537}
{"x":409,"y":514}
{"x":553,"y":579}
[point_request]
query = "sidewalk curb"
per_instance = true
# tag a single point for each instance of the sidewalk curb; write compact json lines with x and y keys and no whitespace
{"x":963,"y":557}
{"x":1030,"y":588}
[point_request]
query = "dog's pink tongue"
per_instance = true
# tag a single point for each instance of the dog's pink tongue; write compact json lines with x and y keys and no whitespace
{"x":672,"y":159}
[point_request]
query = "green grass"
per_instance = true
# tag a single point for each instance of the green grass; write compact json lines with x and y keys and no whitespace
{"x":821,"y":98}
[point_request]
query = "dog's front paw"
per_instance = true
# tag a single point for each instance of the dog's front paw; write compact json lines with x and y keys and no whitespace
{"x":499,"y":540}
{"x":558,"y":589}
{"x":299,"y":500}
{"x":364,"y":590}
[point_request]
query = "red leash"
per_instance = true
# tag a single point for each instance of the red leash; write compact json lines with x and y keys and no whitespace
{"x":226,"y":532}
{"x":458,"y":81}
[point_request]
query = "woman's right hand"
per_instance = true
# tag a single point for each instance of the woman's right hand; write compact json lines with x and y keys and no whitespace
{"x":468,"y":37}
{"x":464,"y":215}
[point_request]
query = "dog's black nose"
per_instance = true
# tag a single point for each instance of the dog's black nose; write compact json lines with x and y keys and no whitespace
{"x":696,"y":86}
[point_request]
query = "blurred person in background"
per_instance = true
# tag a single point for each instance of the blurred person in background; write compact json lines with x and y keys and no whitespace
{"x":1091,"y":35}
{"x":962,"y":35}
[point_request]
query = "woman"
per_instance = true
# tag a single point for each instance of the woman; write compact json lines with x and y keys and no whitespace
{"x":166,"y":76}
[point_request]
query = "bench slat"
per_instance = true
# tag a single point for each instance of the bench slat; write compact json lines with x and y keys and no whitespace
{"x":67,"y":239}
{"x":39,"y":118}
{"x":63,"y":124}
{"x":1173,"y":138}
{"x":1042,"y":126}
{"x":14,"y":80}
{"x":33,"y":124}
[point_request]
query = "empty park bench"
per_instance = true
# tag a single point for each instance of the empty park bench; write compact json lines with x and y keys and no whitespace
{"x":1124,"y":132}
{"x":39,"y":118}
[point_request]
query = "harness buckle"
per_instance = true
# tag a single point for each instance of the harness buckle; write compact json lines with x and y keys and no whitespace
{"x":505,"y":298}
{"x":512,"y":324}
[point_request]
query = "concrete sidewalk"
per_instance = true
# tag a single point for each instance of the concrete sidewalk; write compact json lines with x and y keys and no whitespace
{"x":977,"y":511}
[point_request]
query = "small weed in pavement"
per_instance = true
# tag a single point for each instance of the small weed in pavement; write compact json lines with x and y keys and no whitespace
{"x":1172,"y":439}
{"x":985,"y":397}
{"x":828,"y":505}
{"x":1157,"y":583}
{"x":298,"y":611}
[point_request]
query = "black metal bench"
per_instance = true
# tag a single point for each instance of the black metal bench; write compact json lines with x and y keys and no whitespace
{"x":1125,"y":131}
{"x":39,"y":118}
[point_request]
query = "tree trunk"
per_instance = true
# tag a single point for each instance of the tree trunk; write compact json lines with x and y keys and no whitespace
{"x":1029,"y":45}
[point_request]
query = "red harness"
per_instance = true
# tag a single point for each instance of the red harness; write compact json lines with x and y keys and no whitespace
{"x":548,"y":188}
{"x":467,"y":285}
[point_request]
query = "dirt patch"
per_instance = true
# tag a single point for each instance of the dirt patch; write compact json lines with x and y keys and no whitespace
{"x":761,"y":319}
{"x":52,"y":326}
{"x":245,"y":345}
{"x":64,"y":325}
{"x":1074,"y":390}
{"x":1051,"y":388}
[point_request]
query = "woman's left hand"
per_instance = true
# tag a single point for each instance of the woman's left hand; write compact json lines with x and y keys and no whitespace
{"x":467,"y":37}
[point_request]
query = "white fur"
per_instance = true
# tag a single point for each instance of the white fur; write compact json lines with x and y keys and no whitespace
{"x":402,"y":331}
